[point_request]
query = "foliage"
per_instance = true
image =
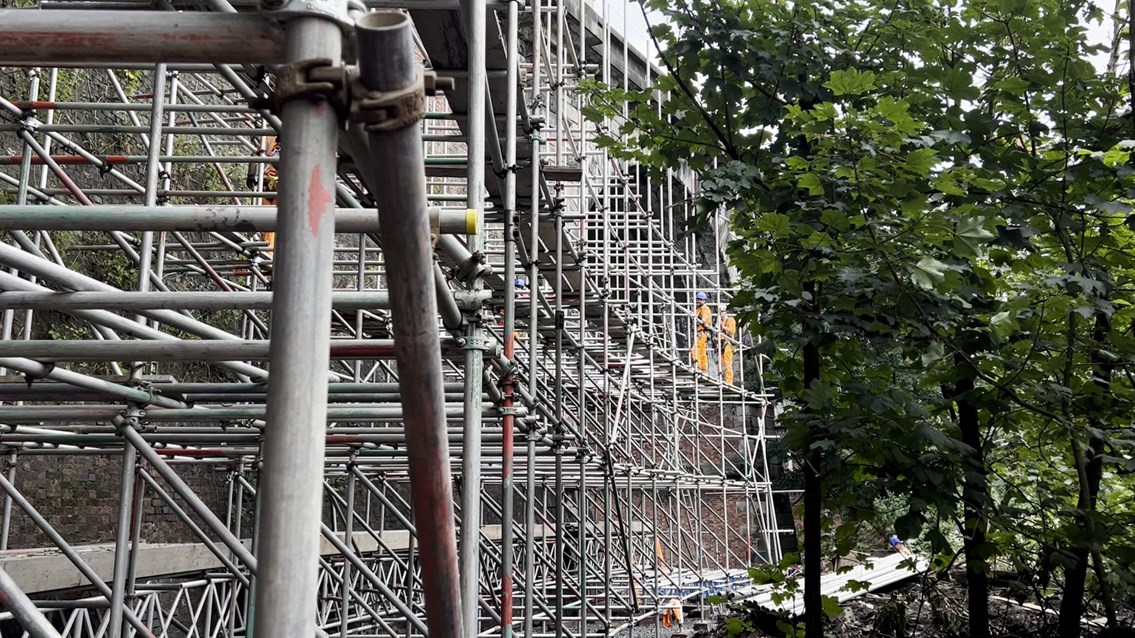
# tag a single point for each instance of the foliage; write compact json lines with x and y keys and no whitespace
{"x":939,"y":199}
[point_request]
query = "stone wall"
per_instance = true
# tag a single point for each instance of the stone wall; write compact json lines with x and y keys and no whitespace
{"x":79,"y":497}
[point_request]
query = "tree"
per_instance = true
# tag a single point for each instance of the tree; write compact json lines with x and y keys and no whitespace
{"x":931,"y":210}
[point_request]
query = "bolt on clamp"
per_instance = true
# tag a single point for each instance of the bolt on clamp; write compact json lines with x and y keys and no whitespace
{"x":306,"y":80}
{"x":131,"y":417}
{"x":388,"y":111}
{"x":340,"y":86}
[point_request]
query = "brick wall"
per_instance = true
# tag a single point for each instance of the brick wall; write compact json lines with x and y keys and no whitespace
{"x":79,"y":497}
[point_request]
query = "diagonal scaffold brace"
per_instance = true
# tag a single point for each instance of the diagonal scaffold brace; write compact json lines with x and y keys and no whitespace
{"x":387,"y":65}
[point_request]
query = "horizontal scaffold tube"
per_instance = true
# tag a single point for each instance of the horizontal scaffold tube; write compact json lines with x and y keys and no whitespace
{"x":201,"y":218}
{"x":118,"y":323}
{"x":37,"y":370}
{"x":64,"y":276}
{"x":86,"y":413}
{"x":68,"y":301}
{"x":138,"y":36}
{"x":169,"y":436}
{"x":135,"y":350}
{"x":10,"y":386}
{"x":54,"y":392}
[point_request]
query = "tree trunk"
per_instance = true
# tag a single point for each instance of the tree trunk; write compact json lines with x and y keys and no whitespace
{"x":1072,"y":600}
{"x":975,"y":497}
{"x":813,"y":505}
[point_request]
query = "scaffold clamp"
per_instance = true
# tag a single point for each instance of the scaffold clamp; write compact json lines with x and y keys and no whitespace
{"x":507,"y":374}
{"x":131,"y":417}
{"x":30,"y":377}
{"x":307,"y":79}
{"x":473,"y":267}
{"x":559,"y":445}
{"x":435,"y":228}
{"x":389,"y":111}
{"x":29,"y":122}
{"x":473,"y":343}
{"x":471,"y":300}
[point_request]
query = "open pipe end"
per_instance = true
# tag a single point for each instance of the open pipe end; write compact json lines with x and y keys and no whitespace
{"x":386,"y":50}
{"x":382,"y":21}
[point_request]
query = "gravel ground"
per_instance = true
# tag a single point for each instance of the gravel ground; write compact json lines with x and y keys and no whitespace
{"x":647,"y":630}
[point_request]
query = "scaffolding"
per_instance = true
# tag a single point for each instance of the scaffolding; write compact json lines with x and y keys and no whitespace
{"x":477,"y":411}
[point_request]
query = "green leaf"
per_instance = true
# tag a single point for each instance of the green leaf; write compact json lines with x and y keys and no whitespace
{"x":973,"y":228}
{"x":734,"y":626}
{"x":835,"y":219}
{"x":921,"y":161}
{"x":959,"y":83}
{"x":927,"y":272}
{"x":1115,"y":157}
{"x":898,"y":112}
{"x":824,"y":112}
{"x":811,"y":183}
{"x":947,"y":183}
{"x":970,"y":234}
{"x":775,"y":223}
{"x":851,"y":82}
{"x":1010,"y":8}
{"x":819,"y":395}
{"x":934,"y":352}
{"x":796,"y":162}
{"x":1012,"y":85}
{"x":934,"y":436}
{"x":831,"y":607}
{"x":789,"y":631}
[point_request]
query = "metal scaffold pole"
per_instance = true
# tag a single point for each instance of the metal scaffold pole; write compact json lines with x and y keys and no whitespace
{"x":386,"y":57}
{"x":297,"y":394}
{"x":509,"y":329}
{"x":474,"y":13}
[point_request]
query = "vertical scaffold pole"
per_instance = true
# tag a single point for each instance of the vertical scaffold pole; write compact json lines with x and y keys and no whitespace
{"x":387,"y":63}
{"x":508,"y":421}
{"x":6,"y":523}
{"x":581,"y":336}
{"x":560,"y":323}
{"x":153,"y":174}
{"x":292,"y":480}
{"x":533,"y":320}
{"x":474,"y":359}
{"x":349,"y":539}
{"x":122,"y":540}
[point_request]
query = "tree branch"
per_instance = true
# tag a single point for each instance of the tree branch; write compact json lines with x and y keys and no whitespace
{"x":729,"y":148}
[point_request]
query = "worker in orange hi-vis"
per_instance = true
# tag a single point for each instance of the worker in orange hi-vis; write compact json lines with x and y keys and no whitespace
{"x":671,"y":612}
{"x":726,"y":332}
{"x":271,"y":183}
{"x":702,"y":320}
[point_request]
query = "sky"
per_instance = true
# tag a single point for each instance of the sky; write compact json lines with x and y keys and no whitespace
{"x":1101,"y":33}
